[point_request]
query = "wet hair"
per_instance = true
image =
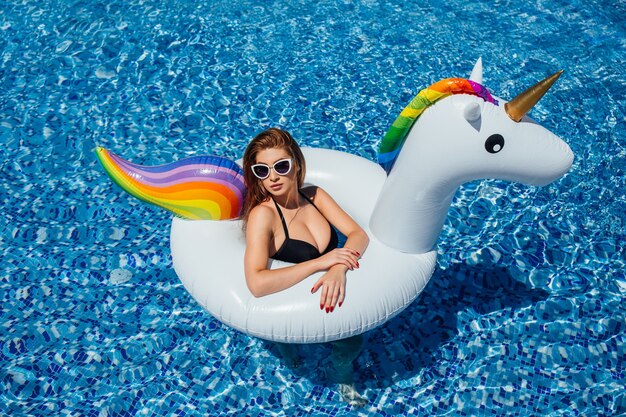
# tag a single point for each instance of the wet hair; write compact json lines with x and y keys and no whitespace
{"x":268,"y":139}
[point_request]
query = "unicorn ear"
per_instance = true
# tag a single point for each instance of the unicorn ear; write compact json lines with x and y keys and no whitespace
{"x":477,"y":72}
{"x":471,"y":112}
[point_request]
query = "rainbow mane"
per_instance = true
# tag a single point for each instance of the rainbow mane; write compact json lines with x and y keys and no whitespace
{"x":199,"y":187}
{"x":392,"y":143}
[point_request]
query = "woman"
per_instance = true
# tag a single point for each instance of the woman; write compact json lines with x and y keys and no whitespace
{"x":287,"y":222}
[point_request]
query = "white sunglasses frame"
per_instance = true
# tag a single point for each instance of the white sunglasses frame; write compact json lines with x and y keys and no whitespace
{"x":270,"y":168}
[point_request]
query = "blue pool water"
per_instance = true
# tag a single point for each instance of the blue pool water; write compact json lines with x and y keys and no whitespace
{"x":525,"y":314}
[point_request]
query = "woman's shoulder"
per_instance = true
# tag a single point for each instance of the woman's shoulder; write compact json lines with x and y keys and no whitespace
{"x":313,"y":191}
{"x":262,"y":214}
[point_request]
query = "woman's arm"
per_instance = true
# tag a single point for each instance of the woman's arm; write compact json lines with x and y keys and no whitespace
{"x":357,"y":239}
{"x":333,"y":282}
{"x":262,"y":281}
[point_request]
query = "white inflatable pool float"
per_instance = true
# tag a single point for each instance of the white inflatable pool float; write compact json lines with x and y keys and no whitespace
{"x":452,"y":132}
{"x":208,"y":258}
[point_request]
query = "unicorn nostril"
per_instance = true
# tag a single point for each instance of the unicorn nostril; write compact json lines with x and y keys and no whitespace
{"x":494,"y":143}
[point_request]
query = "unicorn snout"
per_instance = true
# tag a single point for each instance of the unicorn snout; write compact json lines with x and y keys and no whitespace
{"x":552,"y":164}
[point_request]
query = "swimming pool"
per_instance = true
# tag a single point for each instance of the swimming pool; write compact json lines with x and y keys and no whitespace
{"x":525,"y":314}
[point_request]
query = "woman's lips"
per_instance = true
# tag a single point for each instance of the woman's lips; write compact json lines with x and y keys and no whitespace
{"x":276,"y":187}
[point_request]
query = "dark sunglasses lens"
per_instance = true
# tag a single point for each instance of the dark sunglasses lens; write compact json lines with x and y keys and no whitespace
{"x":282,"y":167}
{"x":261,"y":171}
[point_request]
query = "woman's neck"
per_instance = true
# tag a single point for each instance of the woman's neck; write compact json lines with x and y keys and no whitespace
{"x":289,"y":201}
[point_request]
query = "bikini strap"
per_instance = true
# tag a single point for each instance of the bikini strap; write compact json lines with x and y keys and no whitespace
{"x":282,"y":218}
{"x":308,"y":199}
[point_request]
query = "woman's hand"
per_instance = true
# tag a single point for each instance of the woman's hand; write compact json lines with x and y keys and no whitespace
{"x":333,"y":285}
{"x":333,"y":282}
{"x":340,"y":256}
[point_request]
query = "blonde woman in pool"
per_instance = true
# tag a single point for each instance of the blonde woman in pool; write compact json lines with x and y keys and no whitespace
{"x":287,"y":222}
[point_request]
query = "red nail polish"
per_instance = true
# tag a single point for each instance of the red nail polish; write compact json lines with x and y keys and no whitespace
{"x":312,"y":290}
{"x":358,"y":254}
{"x":327,"y":309}
{"x":357,"y":265}
{"x":321,"y":306}
{"x":332,"y":309}
{"x":340,"y":303}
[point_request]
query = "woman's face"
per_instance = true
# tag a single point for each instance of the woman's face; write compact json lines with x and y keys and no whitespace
{"x":277,"y":185}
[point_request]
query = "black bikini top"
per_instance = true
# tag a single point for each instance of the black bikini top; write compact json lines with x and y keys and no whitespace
{"x":296,"y":251}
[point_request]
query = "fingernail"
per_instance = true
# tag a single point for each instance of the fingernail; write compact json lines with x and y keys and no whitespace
{"x":332,"y":309}
{"x":340,"y":303}
{"x":357,"y":265}
{"x":312,"y":290}
{"x":327,"y":309}
{"x":321,"y":306}
{"x":358,"y":254}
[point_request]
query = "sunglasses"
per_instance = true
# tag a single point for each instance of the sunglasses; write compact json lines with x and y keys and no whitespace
{"x":281,"y":167}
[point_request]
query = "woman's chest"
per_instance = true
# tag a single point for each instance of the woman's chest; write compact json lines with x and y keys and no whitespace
{"x":306,"y":224}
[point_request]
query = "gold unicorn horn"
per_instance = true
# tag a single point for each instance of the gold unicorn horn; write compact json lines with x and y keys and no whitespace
{"x":520,"y":105}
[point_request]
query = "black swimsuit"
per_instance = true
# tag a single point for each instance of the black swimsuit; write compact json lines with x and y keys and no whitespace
{"x":296,"y":251}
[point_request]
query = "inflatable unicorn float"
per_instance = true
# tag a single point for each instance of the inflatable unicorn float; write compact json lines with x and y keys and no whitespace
{"x":452,"y":132}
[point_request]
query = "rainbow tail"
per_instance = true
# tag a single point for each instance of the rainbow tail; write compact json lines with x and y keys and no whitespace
{"x":196,"y":188}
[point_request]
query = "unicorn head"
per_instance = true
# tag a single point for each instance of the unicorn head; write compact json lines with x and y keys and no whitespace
{"x":453,"y":132}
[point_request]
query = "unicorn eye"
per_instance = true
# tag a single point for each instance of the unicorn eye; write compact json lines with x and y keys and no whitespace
{"x":494,"y":143}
